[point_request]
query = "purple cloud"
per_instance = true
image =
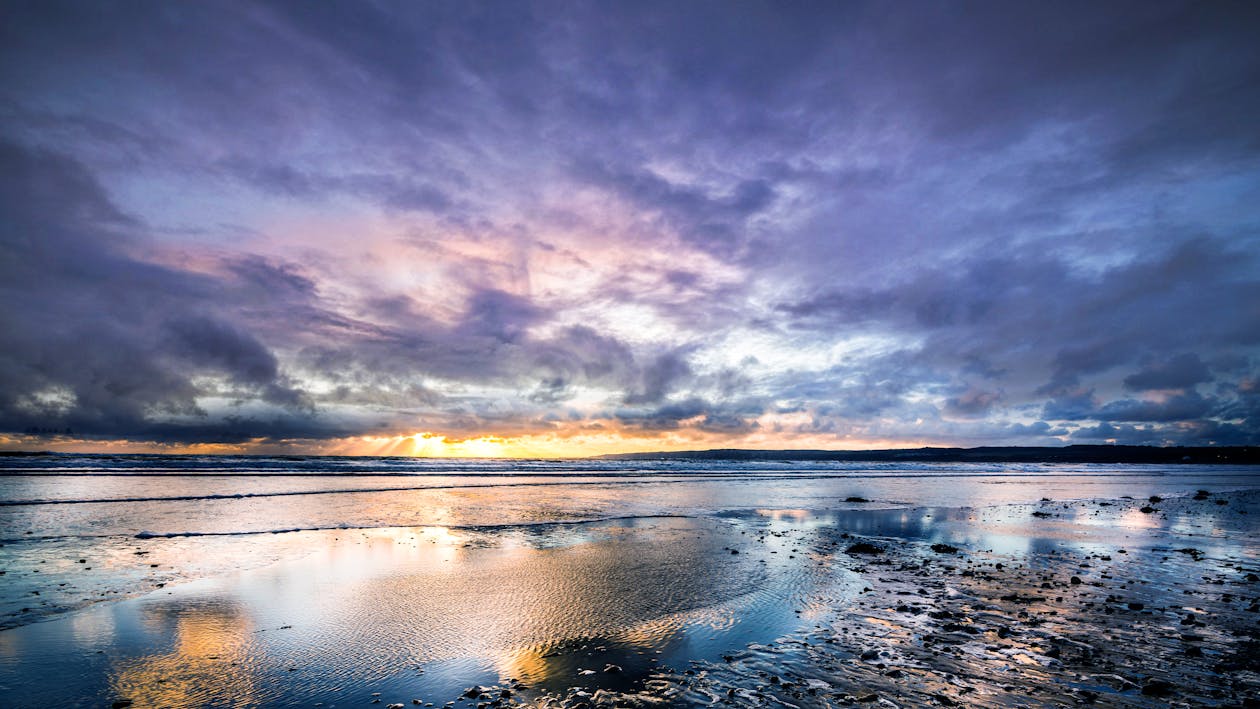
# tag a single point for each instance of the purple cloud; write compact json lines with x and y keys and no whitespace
{"x":920,"y":223}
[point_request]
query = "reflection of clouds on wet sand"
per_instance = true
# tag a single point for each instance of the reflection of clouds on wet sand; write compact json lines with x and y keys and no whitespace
{"x":538,"y":604}
{"x":426,"y":612}
{"x":634,"y":588}
{"x":211,"y":658}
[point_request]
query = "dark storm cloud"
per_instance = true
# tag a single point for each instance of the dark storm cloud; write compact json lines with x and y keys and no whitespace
{"x":99,"y":340}
{"x":1180,"y":372}
{"x":103,"y":340}
{"x":997,"y":221}
{"x":1026,"y":304}
{"x":1025,"y":316}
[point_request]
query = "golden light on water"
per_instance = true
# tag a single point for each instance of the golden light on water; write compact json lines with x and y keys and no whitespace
{"x":211,"y":657}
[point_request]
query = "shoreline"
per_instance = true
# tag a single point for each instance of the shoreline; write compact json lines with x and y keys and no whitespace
{"x":168,"y":572}
{"x":971,"y":606}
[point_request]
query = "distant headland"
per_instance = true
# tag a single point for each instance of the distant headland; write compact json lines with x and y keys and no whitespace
{"x":1234,"y":455}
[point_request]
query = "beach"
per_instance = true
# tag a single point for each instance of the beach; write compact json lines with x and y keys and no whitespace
{"x":643,"y":585}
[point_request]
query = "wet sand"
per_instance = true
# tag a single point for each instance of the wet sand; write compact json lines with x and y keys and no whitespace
{"x":1123,"y":602}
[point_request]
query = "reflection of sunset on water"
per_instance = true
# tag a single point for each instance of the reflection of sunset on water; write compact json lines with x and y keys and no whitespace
{"x":404,"y":596}
{"x":213,"y":658}
{"x":606,"y":605}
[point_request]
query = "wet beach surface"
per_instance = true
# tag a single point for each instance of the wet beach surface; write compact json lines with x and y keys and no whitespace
{"x":1114,"y":602}
{"x":81,"y":530}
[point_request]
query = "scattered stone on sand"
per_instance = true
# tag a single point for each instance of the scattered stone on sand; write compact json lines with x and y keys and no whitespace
{"x":1157,"y":688}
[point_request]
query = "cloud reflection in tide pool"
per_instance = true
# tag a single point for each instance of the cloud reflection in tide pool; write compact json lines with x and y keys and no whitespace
{"x":426,"y":612}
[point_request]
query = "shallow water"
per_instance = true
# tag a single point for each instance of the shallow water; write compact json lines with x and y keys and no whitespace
{"x":425,"y":613}
{"x":419,"y":578}
{"x":139,"y":521}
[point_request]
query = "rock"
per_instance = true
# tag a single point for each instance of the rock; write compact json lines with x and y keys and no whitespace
{"x":1154,"y":499}
{"x":870,"y":655}
{"x":584,"y":673}
{"x":122,"y":704}
{"x":1076,"y":581}
{"x":1147,"y":510}
{"x":944,"y":549}
{"x":399,"y":705}
{"x":1157,"y":688}
{"x":864,"y":548}
{"x":612,"y":669}
{"x":855,"y":498}
{"x":1135,"y":606}
{"x":1017,"y":598}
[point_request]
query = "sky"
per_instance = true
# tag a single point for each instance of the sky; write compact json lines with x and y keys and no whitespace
{"x":569,"y":228}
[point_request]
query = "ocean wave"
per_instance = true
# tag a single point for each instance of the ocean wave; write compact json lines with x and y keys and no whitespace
{"x":459,"y":527}
{"x":604,"y":480}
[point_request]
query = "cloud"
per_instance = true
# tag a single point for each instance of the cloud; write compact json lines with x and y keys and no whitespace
{"x":117,"y":339}
{"x":1180,"y":372}
{"x":972,"y":403}
{"x":836,"y":224}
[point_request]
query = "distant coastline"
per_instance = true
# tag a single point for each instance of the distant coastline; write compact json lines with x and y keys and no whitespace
{"x":1233,"y":455}
{"x":1153,"y":455}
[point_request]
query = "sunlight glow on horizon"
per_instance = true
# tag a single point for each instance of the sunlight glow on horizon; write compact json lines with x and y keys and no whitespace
{"x":434,"y":445}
